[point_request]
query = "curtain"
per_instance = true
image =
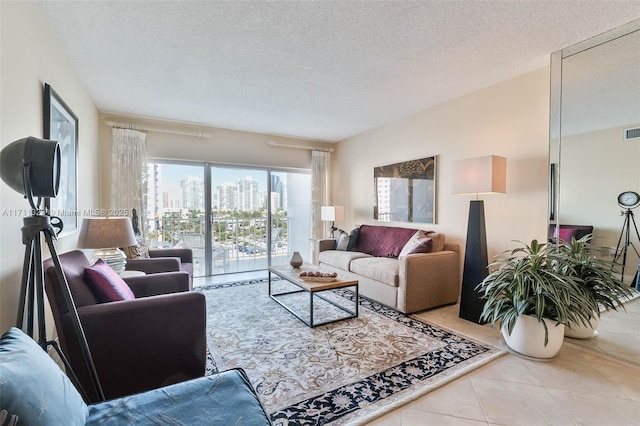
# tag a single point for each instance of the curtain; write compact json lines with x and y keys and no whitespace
{"x":320,"y":165}
{"x":129,"y":174}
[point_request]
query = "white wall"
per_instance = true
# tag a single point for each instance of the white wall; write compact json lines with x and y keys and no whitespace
{"x":510,"y":119}
{"x":30,"y":57}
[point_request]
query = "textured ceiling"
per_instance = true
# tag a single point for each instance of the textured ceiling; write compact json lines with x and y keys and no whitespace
{"x":323,"y":70}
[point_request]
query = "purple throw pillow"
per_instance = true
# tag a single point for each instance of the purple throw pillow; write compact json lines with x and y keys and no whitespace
{"x":383,"y":241}
{"x":419,"y":243}
{"x":106,"y":284}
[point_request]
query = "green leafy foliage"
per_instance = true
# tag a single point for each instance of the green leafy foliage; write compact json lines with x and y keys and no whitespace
{"x":538,"y":280}
{"x":599,"y":277}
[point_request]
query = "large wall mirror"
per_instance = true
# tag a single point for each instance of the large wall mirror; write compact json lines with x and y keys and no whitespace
{"x":595,"y":100}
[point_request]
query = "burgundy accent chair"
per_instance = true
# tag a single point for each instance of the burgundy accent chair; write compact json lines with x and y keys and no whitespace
{"x":152,"y":341}
{"x":164,"y":260}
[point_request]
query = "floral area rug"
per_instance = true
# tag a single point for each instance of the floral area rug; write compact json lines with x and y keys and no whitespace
{"x":347,"y":372}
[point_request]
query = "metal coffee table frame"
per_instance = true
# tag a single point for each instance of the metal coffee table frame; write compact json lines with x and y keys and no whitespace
{"x":314,"y":289}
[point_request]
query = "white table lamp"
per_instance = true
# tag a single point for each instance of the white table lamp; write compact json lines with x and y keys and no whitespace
{"x":331,"y":214}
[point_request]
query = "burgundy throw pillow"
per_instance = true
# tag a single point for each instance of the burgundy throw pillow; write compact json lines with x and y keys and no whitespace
{"x":419,"y":243}
{"x":383,"y":241}
{"x":106,"y":284}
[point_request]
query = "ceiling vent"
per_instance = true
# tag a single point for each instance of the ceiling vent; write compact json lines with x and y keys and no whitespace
{"x":632,"y":134}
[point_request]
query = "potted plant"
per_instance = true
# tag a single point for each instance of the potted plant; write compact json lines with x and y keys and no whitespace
{"x":534,"y":293}
{"x":599,"y":278}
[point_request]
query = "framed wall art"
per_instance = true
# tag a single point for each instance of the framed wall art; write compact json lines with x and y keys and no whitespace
{"x":405,"y":192}
{"x":61,"y":125}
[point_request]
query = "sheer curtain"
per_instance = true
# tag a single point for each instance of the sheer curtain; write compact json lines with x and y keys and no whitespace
{"x":320,"y":165}
{"x":129,"y":174}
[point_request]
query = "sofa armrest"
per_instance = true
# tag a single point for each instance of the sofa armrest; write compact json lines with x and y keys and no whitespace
{"x":146,"y":343}
{"x":154,"y":265}
{"x":185,"y":254}
{"x":156,"y":284}
{"x":326,"y":244}
{"x":428,"y":280}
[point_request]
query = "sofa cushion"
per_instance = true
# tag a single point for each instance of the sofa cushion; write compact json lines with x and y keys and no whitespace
{"x":438,"y":240}
{"x":342,"y":242}
{"x":33,"y":389}
{"x":106,"y":284}
{"x":139,"y":251}
{"x":419,"y":243}
{"x":353,"y":239}
{"x":383,"y":241}
{"x":225,"y":398}
{"x":348,"y":241}
{"x":385,"y":270}
{"x":339,"y":258}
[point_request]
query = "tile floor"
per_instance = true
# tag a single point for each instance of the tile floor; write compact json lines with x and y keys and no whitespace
{"x":580,"y":386}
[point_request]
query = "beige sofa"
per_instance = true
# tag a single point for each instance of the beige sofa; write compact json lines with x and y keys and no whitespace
{"x":407,"y":283}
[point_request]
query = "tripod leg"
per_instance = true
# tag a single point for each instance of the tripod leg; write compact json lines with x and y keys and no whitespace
{"x":70,"y":372}
{"x":633,"y":219}
{"x":38,"y":280}
{"x":62,"y":279}
{"x":618,"y":251}
{"x":26,"y":276}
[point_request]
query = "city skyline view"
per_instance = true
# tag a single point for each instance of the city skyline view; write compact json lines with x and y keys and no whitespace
{"x":180,"y":186}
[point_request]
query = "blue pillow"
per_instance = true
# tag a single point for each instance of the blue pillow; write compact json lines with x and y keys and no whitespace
{"x":33,"y":389}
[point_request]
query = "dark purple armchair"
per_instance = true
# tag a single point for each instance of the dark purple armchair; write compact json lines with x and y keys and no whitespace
{"x":164,"y":260}
{"x":154,"y":340}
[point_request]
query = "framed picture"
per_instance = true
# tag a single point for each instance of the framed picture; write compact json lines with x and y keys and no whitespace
{"x":405,"y":192}
{"x":61,"y":125}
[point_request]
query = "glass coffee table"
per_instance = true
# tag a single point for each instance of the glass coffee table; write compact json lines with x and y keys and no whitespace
{"x":314,"y":290}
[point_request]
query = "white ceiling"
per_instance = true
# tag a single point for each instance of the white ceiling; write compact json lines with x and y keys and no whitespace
{"x":323,"y":70}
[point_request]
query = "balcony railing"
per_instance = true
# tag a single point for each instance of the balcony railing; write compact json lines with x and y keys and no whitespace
{"x":238,"y":244}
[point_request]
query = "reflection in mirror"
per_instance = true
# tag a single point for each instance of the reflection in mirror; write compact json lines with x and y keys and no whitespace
{"x":595,"y":100}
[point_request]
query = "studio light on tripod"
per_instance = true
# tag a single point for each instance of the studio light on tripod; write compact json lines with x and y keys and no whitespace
{"x":31,"y":167}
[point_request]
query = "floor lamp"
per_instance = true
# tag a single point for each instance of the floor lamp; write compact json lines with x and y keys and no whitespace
{"x":481,"y":175}
{"x":31,"y":167}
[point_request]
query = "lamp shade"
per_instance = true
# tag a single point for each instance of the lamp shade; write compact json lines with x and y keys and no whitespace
{"x":106,"y":232}
{"x":480,"y":175}
{"x":332,"y":213}
{"x":42,"y":157}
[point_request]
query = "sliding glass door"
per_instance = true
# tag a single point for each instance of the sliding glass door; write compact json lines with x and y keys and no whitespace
{"x":253,"y":211}
{"x":235,"y":219}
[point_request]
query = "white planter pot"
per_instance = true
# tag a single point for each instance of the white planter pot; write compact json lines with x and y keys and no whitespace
{"x":581,"y":331}
{"x":527,"y":337}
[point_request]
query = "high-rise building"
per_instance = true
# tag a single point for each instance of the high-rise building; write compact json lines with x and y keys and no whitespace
{"x":248,"y":194}
{"x":277,"y":187}
{"x":227,"y":196}
{"x":192,"y":193}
